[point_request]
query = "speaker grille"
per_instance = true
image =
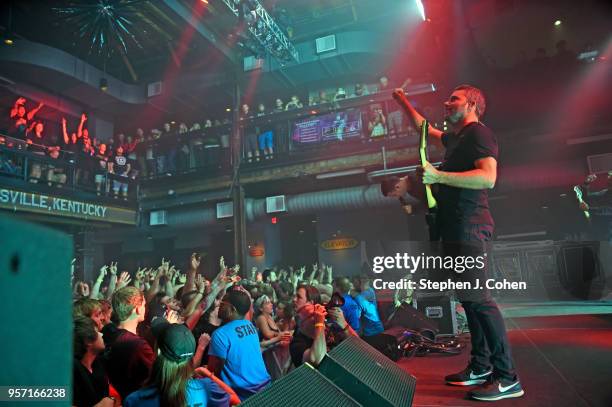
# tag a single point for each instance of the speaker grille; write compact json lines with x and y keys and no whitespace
{"x":373,"y":369}
{"x":304,"y":387}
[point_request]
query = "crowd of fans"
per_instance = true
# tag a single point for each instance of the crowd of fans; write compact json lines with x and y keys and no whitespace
{"x":162,"y":337}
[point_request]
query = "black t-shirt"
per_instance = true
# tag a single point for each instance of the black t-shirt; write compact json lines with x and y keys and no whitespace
{"x":38,"y":143}
{"x":204,"y":327}
{"x":88,"y":388}
{"x":300,"y":343}
{"x":462,"y":206}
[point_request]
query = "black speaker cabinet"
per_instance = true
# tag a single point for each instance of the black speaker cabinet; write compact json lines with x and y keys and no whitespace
{"x":367,"y":375}
{"x":303,"y":387}
{"x":580,"y":271}
{"x":409,"y":317}
{"x":438,"y":307}
{"x":36,"y":304}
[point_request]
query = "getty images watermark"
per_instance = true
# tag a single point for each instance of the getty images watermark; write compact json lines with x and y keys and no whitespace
{"x":456,"y":264}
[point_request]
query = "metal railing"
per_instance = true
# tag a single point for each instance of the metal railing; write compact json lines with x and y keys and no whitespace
{"x":31,"y":163}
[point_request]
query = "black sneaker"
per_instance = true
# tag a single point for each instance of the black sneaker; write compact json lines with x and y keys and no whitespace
{"x":497,"y":390}
{"x":468,"y":377}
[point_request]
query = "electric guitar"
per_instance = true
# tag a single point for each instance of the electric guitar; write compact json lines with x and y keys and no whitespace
{"x":578,"y":193}
{"x":432,"y":205}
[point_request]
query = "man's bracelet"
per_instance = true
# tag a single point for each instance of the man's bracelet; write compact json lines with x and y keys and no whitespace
{"x":319,"y":325}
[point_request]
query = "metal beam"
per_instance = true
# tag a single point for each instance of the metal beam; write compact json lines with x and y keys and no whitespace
{"x":264,"y":29}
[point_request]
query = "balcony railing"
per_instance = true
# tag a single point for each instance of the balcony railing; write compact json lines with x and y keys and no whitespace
{"x":29,"y":163}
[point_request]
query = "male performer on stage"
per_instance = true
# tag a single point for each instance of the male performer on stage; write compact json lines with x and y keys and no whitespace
{"x":465,"y":224}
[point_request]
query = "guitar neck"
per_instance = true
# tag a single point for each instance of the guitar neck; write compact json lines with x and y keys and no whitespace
{"x":431,"y":201}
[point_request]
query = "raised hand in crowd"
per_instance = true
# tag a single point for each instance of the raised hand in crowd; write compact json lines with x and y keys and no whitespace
{"x":72,"y":270}
{"x":173,"y":316}
{"x":95,"y":290}
{"x":139,"y":278}
{"x":124,"y":280}
{"x":113,"y":268}
{"x":194,"y":264}
{"x":195,"y":261}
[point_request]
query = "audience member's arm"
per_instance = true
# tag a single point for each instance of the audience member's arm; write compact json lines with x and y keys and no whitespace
{"x":262,"y":326}
{"x":330,"y":277}
{"x":65,"y":132}
{"x":200,"y":287}
{"x":179,"y":281}
{"x":33,"y":112}
{"x":192,"y":320}
{"x":315,"y":354}
{"x":203,"y":342}
{"x":337,"y":316}
{"x":124,"y":280}
{"x":139,"y":279}
{"x":215,"y":364}
{"x":311,"y":277}
{"x":168,"y":286}
{"x":194,"y":263}
{"x":81,"y":123}
{"x":268,"y":343}
{"x":113,"y":279}
{"x":154,"y":289}
{"x":95,"y":290}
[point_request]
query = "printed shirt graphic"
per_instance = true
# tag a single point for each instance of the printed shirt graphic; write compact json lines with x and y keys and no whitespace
{"x":120,"y":164}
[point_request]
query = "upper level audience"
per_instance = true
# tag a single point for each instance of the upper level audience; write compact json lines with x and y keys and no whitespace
{"x":108,"y":165}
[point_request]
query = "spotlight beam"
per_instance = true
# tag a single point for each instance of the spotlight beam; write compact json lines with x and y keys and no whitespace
{"x":421,"y":8}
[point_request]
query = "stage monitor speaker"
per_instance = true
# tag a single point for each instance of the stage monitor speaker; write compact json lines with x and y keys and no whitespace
{"x":367,"y":375}
{"x":303,"y":387}
{"x":36,"y":304}
{"x":440,"y":309}
{"x":409,"y":317}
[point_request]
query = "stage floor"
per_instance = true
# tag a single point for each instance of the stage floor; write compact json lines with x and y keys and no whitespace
{"x":563,"y":357}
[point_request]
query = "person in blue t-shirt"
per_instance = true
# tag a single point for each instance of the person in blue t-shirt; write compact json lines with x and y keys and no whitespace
{"x":370,"y":319}
{"x":234,"y":353}
{"x":171,"y":383}
{"x":351,"y":309}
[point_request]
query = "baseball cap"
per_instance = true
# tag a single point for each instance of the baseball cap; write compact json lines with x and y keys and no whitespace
{"x":175,"y":341}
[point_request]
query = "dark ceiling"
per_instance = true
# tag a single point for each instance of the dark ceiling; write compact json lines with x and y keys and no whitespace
{"x":165,"y":42}
{"x":156,"y":36}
